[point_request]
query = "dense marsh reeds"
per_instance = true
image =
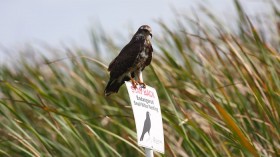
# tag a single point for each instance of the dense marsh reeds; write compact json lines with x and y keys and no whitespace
{"x":219,"y":91}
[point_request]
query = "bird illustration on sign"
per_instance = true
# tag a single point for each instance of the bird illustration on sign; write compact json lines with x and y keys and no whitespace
{"x":131,"y":61}
{"x":147,"y":126}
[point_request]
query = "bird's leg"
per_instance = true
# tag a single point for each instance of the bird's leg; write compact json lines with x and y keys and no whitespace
{"x":140,"y":79}
{"x":133,"y":82}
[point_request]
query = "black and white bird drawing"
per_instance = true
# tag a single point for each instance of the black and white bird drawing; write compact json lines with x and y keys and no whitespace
{"x":147,"y":126}
{"x":131,"y":61}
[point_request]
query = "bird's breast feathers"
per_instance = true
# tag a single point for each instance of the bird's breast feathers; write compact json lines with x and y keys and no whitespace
{"x":144,"y":55}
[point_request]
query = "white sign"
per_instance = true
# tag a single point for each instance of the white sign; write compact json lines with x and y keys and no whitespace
{"x":147,"y":115}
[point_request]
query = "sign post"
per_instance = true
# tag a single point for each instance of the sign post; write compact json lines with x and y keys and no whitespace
{"x":149,"y":152}
{"x":148,"y":119}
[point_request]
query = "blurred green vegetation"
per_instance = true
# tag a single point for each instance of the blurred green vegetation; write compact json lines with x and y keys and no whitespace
{"x":219,"y":91}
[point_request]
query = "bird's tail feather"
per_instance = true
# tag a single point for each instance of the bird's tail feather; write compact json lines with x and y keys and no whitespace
{"x":113,"y":86}
{"x":142,"y":136}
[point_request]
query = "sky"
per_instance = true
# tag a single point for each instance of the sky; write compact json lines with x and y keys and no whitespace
{"x":59,"y":23}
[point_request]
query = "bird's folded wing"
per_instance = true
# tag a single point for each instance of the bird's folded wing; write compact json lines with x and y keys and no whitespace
{"x":126,"y":58}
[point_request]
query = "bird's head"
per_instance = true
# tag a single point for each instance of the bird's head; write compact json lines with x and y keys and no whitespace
{"x":144,"y":31}
{"x":147,"y":114}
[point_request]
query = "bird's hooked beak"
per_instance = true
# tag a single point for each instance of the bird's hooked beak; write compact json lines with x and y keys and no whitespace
{"x":151,"y":35}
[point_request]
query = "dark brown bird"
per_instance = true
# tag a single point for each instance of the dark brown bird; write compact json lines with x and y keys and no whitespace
{"x":131,"y":61}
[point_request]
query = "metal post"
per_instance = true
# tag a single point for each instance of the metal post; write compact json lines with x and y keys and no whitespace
{"x":149,"y":152}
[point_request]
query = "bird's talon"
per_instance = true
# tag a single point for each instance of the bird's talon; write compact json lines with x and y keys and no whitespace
{"x":134,"y":83}
{"x":134,"y":86}
{"x":142,"y":84}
